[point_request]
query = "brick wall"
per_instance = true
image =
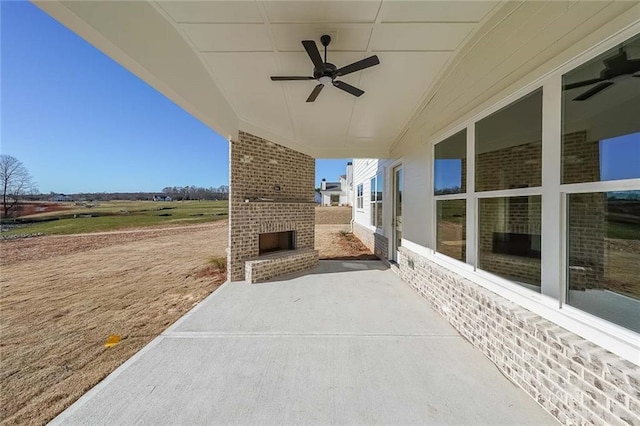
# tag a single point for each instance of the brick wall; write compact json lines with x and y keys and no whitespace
{"x":378,"y":244}
{"x":517,"y":166}
{"x":270,"y":266}
{"x":572,"y":378}
{"x":260,"y":169}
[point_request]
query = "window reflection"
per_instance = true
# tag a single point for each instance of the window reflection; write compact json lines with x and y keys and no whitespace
{"x":450,"y":165}
{"x":451,"y":228}
{"x":601,"y":136}
{"x":509,"y":146}
{"x":604,"y":255}
{"x":509,"y":238}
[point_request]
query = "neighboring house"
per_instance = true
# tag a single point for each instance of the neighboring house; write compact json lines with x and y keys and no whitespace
{"x":338,"y":193}
{"x":60,"y":198}
{"x":162,"y":198}
{"x":496,"y":169}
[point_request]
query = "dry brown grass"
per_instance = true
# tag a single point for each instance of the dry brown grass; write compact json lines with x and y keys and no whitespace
{"x":61,"y":301}
{"x":63,"y":296}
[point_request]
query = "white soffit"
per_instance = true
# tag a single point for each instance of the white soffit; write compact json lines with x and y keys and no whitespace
{"x":238,"y":45}
{"x":244,"y":43}
{"x":321,"y":11}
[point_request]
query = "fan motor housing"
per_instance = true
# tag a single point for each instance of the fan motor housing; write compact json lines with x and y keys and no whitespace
{"x":327,"y":70}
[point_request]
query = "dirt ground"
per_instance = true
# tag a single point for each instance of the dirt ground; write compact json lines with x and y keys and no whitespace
{"x":63,"y":296}
{"x":26,"y":209}
{"x":333,"y":215}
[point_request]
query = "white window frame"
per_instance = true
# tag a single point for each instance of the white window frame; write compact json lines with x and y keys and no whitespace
{"x":443,"y":197}
{"x":374,"y":201}
{"x":360,"y":196}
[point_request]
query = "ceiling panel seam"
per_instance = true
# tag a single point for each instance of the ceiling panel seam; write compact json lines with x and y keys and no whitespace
{"x":265,"y":16}
{"x":198,"y":54}
{"x":367,"y":52}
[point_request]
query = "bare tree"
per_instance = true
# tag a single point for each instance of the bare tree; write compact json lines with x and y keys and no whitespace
{"x":15,"y":181}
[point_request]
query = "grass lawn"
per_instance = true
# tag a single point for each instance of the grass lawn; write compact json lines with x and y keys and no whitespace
{"x":623,"y":231}
{"x":113,"y":215}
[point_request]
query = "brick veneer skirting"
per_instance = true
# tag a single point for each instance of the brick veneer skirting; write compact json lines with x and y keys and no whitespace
{"x":378,"y":244}
{"x":272,"y":265}
{"x":575,"y":380}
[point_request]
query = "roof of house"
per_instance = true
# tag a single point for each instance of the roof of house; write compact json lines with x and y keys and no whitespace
{"x":333,"y":186}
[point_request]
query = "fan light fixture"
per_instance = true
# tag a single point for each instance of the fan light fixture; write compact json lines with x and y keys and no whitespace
{"x":326,"y":73}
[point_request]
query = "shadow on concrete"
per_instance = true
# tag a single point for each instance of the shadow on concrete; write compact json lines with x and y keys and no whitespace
{"x":334,"y":266}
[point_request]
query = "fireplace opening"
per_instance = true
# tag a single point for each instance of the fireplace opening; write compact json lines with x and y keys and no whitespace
{"x":276,"y":241}
{"x":524,"y":245}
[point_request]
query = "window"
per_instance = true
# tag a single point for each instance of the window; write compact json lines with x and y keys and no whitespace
{"x":509,"y":238}
{"x":450,"y":165}
{"x":509,"y":146}
{"x":359,"y":202}
{"x":592,"y":192}
{"x":450,"y":172}
{"x":451,"y":228}
{"x":508,"y":150}
{"x":601,"y":154}
{"x":376,"y":200}
{"x":601,"y":129}
{"x":604,"y":255}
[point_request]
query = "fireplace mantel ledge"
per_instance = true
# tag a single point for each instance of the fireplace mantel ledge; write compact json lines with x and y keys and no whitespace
{"x":273,"y":201}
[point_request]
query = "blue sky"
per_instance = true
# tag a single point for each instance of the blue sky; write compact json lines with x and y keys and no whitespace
{"x":80,"y":122}
{"x":620,"y":157}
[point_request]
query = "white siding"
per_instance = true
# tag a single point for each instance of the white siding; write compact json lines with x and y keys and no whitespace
{"x":363,"y":171}
{"x":417,"y":196}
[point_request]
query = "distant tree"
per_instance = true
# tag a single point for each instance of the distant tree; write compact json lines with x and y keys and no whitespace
{"x":15,"y":181}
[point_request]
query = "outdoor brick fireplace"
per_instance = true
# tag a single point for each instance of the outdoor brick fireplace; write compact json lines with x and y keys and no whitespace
{"x":271,"y":210}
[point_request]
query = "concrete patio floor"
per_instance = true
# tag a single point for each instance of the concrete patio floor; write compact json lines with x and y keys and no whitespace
{"x":348,"y":343}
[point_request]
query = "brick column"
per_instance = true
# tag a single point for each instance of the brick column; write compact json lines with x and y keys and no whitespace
{"x":271,"y":190}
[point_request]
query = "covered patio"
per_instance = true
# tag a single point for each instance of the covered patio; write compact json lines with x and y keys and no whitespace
{"x":348,"y":343}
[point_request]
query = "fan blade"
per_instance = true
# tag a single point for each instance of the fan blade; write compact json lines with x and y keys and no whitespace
{"x":593,"y":91}
{"x":582,"y":83}
{"x":348,"y":88}
{"x":291,"y":78}
{"x":314,"y":94}
{"x":312,"y":51}
{"x":357,"y":66}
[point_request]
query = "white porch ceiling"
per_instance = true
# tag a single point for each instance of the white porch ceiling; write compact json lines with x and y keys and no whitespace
{"x":240,"y":44}
{"x":244,"y":43}
{"x":438,"y":60}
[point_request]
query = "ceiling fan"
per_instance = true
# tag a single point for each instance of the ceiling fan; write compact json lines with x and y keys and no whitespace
{"x":326,"y":73}
{"x":616,"y":68}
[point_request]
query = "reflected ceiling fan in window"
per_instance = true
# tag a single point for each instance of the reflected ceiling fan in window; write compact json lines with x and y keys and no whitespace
{"x":616,"y":68}
{"x":326,"y":73}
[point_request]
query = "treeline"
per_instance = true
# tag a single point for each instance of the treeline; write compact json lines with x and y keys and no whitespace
{"x":196,"y":193}
{"x":177,"y":193}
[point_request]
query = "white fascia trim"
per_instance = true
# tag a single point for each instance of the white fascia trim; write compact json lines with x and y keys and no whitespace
{"x":619,"y":340}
